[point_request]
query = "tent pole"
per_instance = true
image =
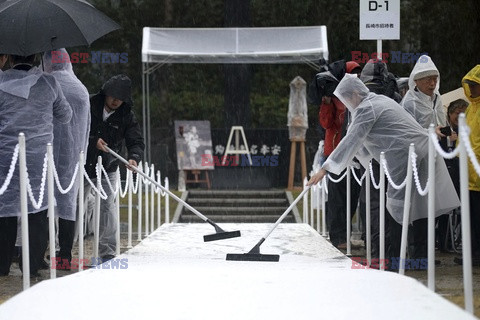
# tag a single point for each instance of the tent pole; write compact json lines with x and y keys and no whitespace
{"x":149,"y":150}
{"x":143,"y":107}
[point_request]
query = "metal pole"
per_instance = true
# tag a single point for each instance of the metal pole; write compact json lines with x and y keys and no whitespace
{"x":312,"y":197}
{"x":368,"y":221}
{"x":140,"y":202}
{"x":324,"y":216}
{"x":431,"y":209}
{"x":305,"y":202}
{"x":159,"y":201}
{"x":51,"y":212}
{"x":144,"y":110}
{"x":81,"y":192}
{"x":97,"y":210}
{"x":149,"y":139}
{"x":152,"y":200}
{"x":382,"y":213}
{"x":24,"y":210}
{"x":117,"y":202}
{"x":379,"y":49}
{"x":147,"y":216}
{"x":465,"y":213}
{"x":349,"y":211}
{"x":406,"y":212}
{"x":167,"y":202}
{"x":130,"y":185}
{"x":317,"y":192}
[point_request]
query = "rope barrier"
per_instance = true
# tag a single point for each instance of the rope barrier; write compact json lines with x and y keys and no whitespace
{"x":13,"y":164}
{"x":38,"y":204}
{"x":339,"y":179}
{"x":421,"y":191}
{"x":57,"y":179}
{"x":390,"y":180}
{"x":464,"y":134}
{"x":372,"y":178}
{"x":446,"y":155}
{"x":359,"y":181}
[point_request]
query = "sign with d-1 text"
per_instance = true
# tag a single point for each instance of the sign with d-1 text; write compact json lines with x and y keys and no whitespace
{"x":379,"y":20}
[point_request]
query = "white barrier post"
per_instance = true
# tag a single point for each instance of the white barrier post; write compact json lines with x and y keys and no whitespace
{"x":324,"y":216}
{"x":406,"y":211}
{"x":81,"y":192}
{"x":147,"y":215}
{"x":317,"y":192}
{"x":97,"y":209}
{"x":117,"y":202}
{"x":349,"y":212}
{"x":152,"y":200}
{"x":24,"y":210}
{"x":382,"y":213}
{"x":431,"y":209}
{"x":312,"y":197}
{"x":51,"y":212}
{"x":167,"y":202}
{"x":140,"y":202}
{"x":305,"y":202}
{"x":130,"y":186}
{"x":159,"y":201}
{"x":368,"y":222}
{"x":465,"y":213}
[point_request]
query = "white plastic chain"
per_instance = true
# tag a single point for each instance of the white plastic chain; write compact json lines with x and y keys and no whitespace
{"x":102,"y":195}
{"x":372,"y":178}
{"x":395,"y":186}
{"x":127,"y":182}
{"x":446,"y":155}
{"x":421,"y":191}
{"x":13,"y":164}
{"x":159,"y":190}
{"x":38,"y":204}
{"x":359,"y":181}
{"x":464,"y":134}
{"x":139,"y":176}
{"x":114,"y":191}
{"x":339,"y":179}
{"x":57,"y":180}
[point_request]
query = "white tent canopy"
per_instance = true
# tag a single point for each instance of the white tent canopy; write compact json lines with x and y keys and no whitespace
{"x":235,"y":45}
{"x":227,"y":45}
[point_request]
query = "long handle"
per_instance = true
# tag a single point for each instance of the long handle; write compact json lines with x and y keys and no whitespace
{"x":286,"y":212}
{"x":195,"y":211}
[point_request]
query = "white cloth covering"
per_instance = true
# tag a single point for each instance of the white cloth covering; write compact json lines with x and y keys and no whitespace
{"x":70,"y":138}
{"x":29,"y":101}
{"x":423,"y":108}
{"x":380,"y":124}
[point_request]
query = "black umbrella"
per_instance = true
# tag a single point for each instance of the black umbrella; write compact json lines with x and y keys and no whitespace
{"x":33,"y":26}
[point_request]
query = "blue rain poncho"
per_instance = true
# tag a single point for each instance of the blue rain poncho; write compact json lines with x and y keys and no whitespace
{"x":380,"y":124}
{"x":423,"y":108}
{"x":29,"y":101}
{"x":70,"y":138}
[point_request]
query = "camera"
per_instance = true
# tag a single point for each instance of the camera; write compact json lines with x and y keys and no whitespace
{"x":447,"y":131}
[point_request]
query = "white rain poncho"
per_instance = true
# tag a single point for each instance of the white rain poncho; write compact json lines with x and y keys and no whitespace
{"x":29,"y":101}
{"x":424,"y":109}
{"x":380,"y":124}
{"x":70,"y":138}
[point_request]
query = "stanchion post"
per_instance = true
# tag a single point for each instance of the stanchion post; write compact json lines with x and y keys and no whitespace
{"x":152,"y":200}
{"x":147,"y":215}
{"x":117,"y":203}
{"x":465,"y":217}
{"x":312,"y":197}
{"x":159,"y":201}
{"x":406,"y":211}
{"x":51,"y":211}
{"x":97,"y":209}
{"x":24,"y":211}
{"x":349,"y":212}
{"x":140,"y":203}
{"x":382,"y":214}
{"x":324,"y":216}
{"x":81,"y":192}
{"x":167,"y":202}
{"x":305,"y":202}
{"x":130,"y":185}
{"x":317,"y":193}
{"x":431,"y":209}
{"x":368,"y":220}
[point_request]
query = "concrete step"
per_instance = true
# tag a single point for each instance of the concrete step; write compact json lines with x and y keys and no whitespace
{"x":242,"y":202}
{"x":252,"y":194}
{"x":238,"y":219}
{"x":239,"y":210}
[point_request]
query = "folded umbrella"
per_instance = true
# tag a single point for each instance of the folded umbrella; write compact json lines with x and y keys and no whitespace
{"x":33,"y":26}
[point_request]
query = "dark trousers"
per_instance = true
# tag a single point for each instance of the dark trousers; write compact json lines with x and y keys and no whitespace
{"x":66,"y":234}
{"x":37,"y":239}
{"x":8,"y":236}
{"x":337,"y":208}
{"x":475,"y":222}
{"x":417,"y":239}
{"x":393,"y":239}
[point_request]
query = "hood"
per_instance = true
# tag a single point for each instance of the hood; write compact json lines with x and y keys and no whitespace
{"x":19,"y":82}
{"x":351,"y":65}
{"x":120,"y":87}
{"x":425,"y":66}
{"x":374,"y":71}
{"x":57,"y":60}
{"x":472,"y":75}
{"x":351,"y":91}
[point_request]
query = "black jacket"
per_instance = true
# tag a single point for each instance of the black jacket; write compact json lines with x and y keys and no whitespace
{"x":119,"y":127}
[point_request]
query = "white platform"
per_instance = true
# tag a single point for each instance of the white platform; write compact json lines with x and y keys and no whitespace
{"x":173,"y":274}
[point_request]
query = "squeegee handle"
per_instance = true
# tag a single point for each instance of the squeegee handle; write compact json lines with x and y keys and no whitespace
{"x":286,"y":212}
{"x":195,"y":211}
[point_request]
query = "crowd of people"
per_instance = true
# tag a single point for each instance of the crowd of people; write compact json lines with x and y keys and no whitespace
{"x":372,"y":115}
{"x":49,"y":104}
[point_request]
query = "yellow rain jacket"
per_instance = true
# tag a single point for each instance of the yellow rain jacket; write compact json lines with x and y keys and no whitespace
{"x":473,"y":121}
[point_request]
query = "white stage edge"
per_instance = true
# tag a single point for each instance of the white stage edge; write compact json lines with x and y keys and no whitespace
{"x":173,"y":274}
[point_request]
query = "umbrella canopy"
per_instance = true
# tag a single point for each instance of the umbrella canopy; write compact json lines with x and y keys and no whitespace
{"x":33,"y":26}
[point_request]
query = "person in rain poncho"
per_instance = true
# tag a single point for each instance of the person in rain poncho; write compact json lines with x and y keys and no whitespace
{"x":29,"y":102}
{"x":113,"y":123}
{"x":471,"y":87}
{"x":423,"y":100}
{"x":379,"y":124}
{"x":69,"y":140}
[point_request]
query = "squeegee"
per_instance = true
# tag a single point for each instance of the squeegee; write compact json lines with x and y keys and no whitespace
{"x":219,"y":234}
{"x":254,"y":254}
